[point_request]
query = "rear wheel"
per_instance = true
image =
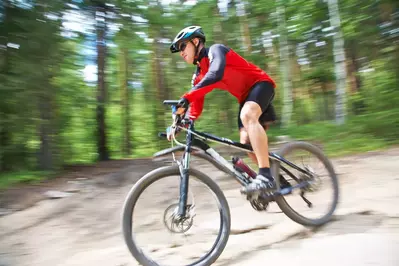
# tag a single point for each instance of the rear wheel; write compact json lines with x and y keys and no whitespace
{"x":309,"y":199}
{"x":146,"y":245}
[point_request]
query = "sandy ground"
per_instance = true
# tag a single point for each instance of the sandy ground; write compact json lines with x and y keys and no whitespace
{"x":84,"y":226}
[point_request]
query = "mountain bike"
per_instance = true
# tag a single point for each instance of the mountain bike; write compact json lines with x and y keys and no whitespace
{"x":179,"y":216}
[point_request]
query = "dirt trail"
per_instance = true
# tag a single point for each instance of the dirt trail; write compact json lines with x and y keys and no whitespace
{"x":84,"y":227}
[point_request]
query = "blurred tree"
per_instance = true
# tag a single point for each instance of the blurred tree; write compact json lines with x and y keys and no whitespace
{"x":157,"y":33}
{"x":63,"y":61}
{"x":100,"y":8}
{"x":285,"y":66}
{"x":245,"y":32}
{"x":339,"y":58}
{"x":322,"y":77}
{"x":124,"y":39}
{"x":6,"y":30}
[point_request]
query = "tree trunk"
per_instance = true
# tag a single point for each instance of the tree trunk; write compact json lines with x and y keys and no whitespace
{"x":387,"y":10}
{"x":397,"y":64}
{"x":218,"y":33}
{"x":265,"y":65}
{"x":354,"y":68}
{"x":45,"y":132}
{"x":101,"y":87}
{"x":244,"y":27}
{"x":285,"y":67}
{"x":339,"y":58}
{"x":5,"y":134}
{"x":125,"y":101}
{"x":326,"y":101}
{"x":159,"y":84}
{"x":266,"y":52}
{"x":4,"y":142}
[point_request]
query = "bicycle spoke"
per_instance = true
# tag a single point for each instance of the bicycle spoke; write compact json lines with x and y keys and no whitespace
{"x":167,"y":238}
{"x":321,"y":193}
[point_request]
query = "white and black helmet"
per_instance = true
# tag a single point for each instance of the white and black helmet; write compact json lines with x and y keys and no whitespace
{"x":187,"y":34}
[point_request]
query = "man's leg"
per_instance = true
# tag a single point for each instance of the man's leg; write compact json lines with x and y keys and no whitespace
{"x":249,"y":115}
{"x":255,"y":110}
{"x":244,"y":139}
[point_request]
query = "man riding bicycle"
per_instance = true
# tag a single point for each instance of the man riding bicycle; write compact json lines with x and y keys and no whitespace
{"x":220,"y":67}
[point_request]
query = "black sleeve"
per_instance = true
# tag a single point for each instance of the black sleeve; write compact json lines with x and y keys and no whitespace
{"x":217,"y":62}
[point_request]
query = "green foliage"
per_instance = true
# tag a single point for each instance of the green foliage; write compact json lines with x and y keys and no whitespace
{"x":303,"y":112}
{"x":320,"y":75}
{"x":12,"y":178}
{"x":380,"y":100}
{"x":47,"y":109}
{"x":335,"y":140}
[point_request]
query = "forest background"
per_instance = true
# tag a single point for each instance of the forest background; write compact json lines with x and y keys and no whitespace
{"x":83,"y":81}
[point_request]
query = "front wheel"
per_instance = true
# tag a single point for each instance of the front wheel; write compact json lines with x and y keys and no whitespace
{"x":146,"y":245}
{"x":318,"y":187}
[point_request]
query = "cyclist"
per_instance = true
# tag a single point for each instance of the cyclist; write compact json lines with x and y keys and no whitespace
{"x":220,"y":67}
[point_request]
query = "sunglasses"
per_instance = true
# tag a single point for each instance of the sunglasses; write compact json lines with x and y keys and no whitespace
{"x":183,"y":46}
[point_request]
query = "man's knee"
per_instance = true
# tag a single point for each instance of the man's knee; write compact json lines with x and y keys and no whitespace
{"x":250,"y":113}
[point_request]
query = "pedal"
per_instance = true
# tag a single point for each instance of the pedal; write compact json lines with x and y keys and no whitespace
{"x":267,"y":191}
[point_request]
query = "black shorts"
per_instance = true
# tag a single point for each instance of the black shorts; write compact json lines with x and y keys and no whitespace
{"x":262,"y":93}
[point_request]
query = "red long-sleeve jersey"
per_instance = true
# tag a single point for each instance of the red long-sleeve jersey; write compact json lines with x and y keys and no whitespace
{"x":221,"y":67}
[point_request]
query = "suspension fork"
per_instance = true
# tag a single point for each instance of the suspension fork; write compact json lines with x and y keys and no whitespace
{"x":184,"y":175}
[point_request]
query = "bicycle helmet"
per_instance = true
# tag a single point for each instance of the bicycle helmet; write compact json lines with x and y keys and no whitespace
{"x":187,"y":34}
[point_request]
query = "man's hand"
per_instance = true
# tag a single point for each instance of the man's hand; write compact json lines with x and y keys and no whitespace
{"x":182,"y":106}
{"x":169,"y":133}
{"x":179,"y":109}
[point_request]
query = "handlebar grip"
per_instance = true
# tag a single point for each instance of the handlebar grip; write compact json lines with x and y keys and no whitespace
{"x":171,"y":102}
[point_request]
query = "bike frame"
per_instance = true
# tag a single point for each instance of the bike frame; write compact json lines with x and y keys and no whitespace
{"x":196,"y":139}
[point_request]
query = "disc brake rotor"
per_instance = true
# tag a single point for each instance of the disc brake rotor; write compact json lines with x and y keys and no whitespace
{"x":315,"y":181}
{"x":176,"y":224}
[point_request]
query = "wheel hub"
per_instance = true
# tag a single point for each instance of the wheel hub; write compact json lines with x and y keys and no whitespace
{"x":314,"y":180}
{"x":175,"y":223}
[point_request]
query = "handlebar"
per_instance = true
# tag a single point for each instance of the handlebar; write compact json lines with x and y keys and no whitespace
{"x":171,"y":102}
{"x":179,"y":120}
{"x":175,"y":105}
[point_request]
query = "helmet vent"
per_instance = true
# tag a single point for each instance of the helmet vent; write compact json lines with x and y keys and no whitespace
{"x":181,"y":34}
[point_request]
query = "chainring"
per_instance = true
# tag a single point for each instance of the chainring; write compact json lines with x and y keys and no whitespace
{"x":261,"y":203}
